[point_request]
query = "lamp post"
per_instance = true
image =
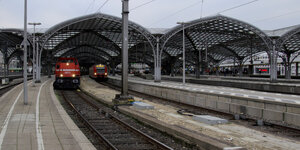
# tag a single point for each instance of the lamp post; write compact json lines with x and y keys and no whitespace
{"x":34,"y":53}
{"x":183,"y":49}
{"x":25,"y":55}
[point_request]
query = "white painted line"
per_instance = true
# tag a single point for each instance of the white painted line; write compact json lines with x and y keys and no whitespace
{"x":37,"y":121}
{"x":221,"y":92}
{"x":278,"y":94}
{"x":4,"y":126}
{"x":211,"y":91}
{"x":260,"y":97}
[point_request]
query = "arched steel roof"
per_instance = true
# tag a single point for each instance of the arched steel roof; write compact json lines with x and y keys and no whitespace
{"x":222,"y":36}
{"x":99,"y":31}
{"x":10,"y":41}
{"x":290,"y":41}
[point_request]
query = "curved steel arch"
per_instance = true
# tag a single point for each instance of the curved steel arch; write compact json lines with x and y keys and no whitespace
{"x":288,"y":35}
{"x":165,"y":38}
{"x":79,"y":49}
{"x":88,"y":54}
{"x":90,"y":19}
{"x":12,"y":37}
{"x":78,"y":36}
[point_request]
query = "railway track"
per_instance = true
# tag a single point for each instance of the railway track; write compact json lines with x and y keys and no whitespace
{"x":112,"y":132}
{"x":6,"y":88}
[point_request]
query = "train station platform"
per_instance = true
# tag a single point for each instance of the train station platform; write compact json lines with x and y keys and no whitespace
{"x":166,"y":118}
{"x":41,"y":124}
{"x":276,"y":108}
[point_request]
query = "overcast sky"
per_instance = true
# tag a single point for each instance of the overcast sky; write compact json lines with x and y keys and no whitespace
{"x":265,"y":14}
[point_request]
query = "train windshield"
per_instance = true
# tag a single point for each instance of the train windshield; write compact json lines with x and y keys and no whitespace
{"x":101,"y":70}
{"x":67,"y":61}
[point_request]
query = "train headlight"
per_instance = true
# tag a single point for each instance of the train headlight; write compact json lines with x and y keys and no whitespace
{"x":75,"y":81}
{"x":61,"y":75}
{"x":95,"y":73}
{"x":105,"y":73}
{"x":73,"y":75}
{"x":67,"y":64}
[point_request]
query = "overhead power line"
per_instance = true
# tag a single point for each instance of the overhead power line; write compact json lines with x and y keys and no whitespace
{"x":142,"y":5}
{"x":181,"y":10}
{"x":237,"y":6}
{"x":90,"y":6}
{"x":265,"y":19}
{"x":102,"y":5}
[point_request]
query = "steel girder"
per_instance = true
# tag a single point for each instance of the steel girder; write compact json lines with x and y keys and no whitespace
{"x":89,"y":38}
{"x":96,"y":29}
{"x":290,"y":40}
{"x":10,"y":40}
{"x":214,"y":32}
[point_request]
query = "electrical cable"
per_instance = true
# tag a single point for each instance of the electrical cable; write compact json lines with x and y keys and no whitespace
{"x":237,"y":6}
{"x":194,"y":4}
{"x":102,"y":6}
{"x":93,"y":2}
{"x":142,"y":5}
{"x":277,"y":16}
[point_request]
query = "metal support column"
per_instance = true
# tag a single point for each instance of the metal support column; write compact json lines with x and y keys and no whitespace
{"x":183,"y":55}
{"x":273,"y":72}
{"x":33,"y":59}
{"x":297,"y":68}
{"x":25,"y":55}
{"x":157,"y":65}
{"x":124,"y":98}
{"x":38,"y":63}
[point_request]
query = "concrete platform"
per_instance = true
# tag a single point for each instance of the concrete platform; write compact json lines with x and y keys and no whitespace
{"x":166,"y":119}
{"x":276,"y":108}
{"x":41,"y":124}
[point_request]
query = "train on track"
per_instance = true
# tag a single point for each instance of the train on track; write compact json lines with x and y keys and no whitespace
{"x":98,"y":72}
{"x":67,"y":73}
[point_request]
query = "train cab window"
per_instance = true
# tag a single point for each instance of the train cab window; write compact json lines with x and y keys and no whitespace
{"x":67,"y":61}
{"x":100,"y":70}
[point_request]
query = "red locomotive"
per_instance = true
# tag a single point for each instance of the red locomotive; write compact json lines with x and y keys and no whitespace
{"x":98,"y":72}
{"x":67,"y":73}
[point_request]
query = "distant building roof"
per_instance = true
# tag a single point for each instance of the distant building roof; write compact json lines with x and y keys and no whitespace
{"x":158,"y":30}
{"x":280,"y":32}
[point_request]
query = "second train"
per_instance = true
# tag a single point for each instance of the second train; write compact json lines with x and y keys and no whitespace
{"x":98,"y":72}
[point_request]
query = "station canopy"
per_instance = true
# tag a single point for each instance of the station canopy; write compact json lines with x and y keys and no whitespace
{"x":288,"y":41}
{"x":97,"y":38}
{"x":220,"y":36}
{"x":10,"y":41}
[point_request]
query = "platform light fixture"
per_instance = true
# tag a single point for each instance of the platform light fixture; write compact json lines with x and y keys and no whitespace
{"x":183,"y":50}
{"x":35,"y":52}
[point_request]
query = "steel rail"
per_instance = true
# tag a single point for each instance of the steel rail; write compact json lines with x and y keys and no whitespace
{"x":160,"y":145}
{"x":146,"y":137}
{"x":91,"y":127}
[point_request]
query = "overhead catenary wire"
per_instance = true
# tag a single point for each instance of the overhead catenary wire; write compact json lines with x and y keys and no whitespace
{"x":89,"y":7}
{"x":237,"y":6}
{"x":270,"y":18}
{"x":142,"y":5}
{"x":173,"y":14}
{"x":102,"y":5}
